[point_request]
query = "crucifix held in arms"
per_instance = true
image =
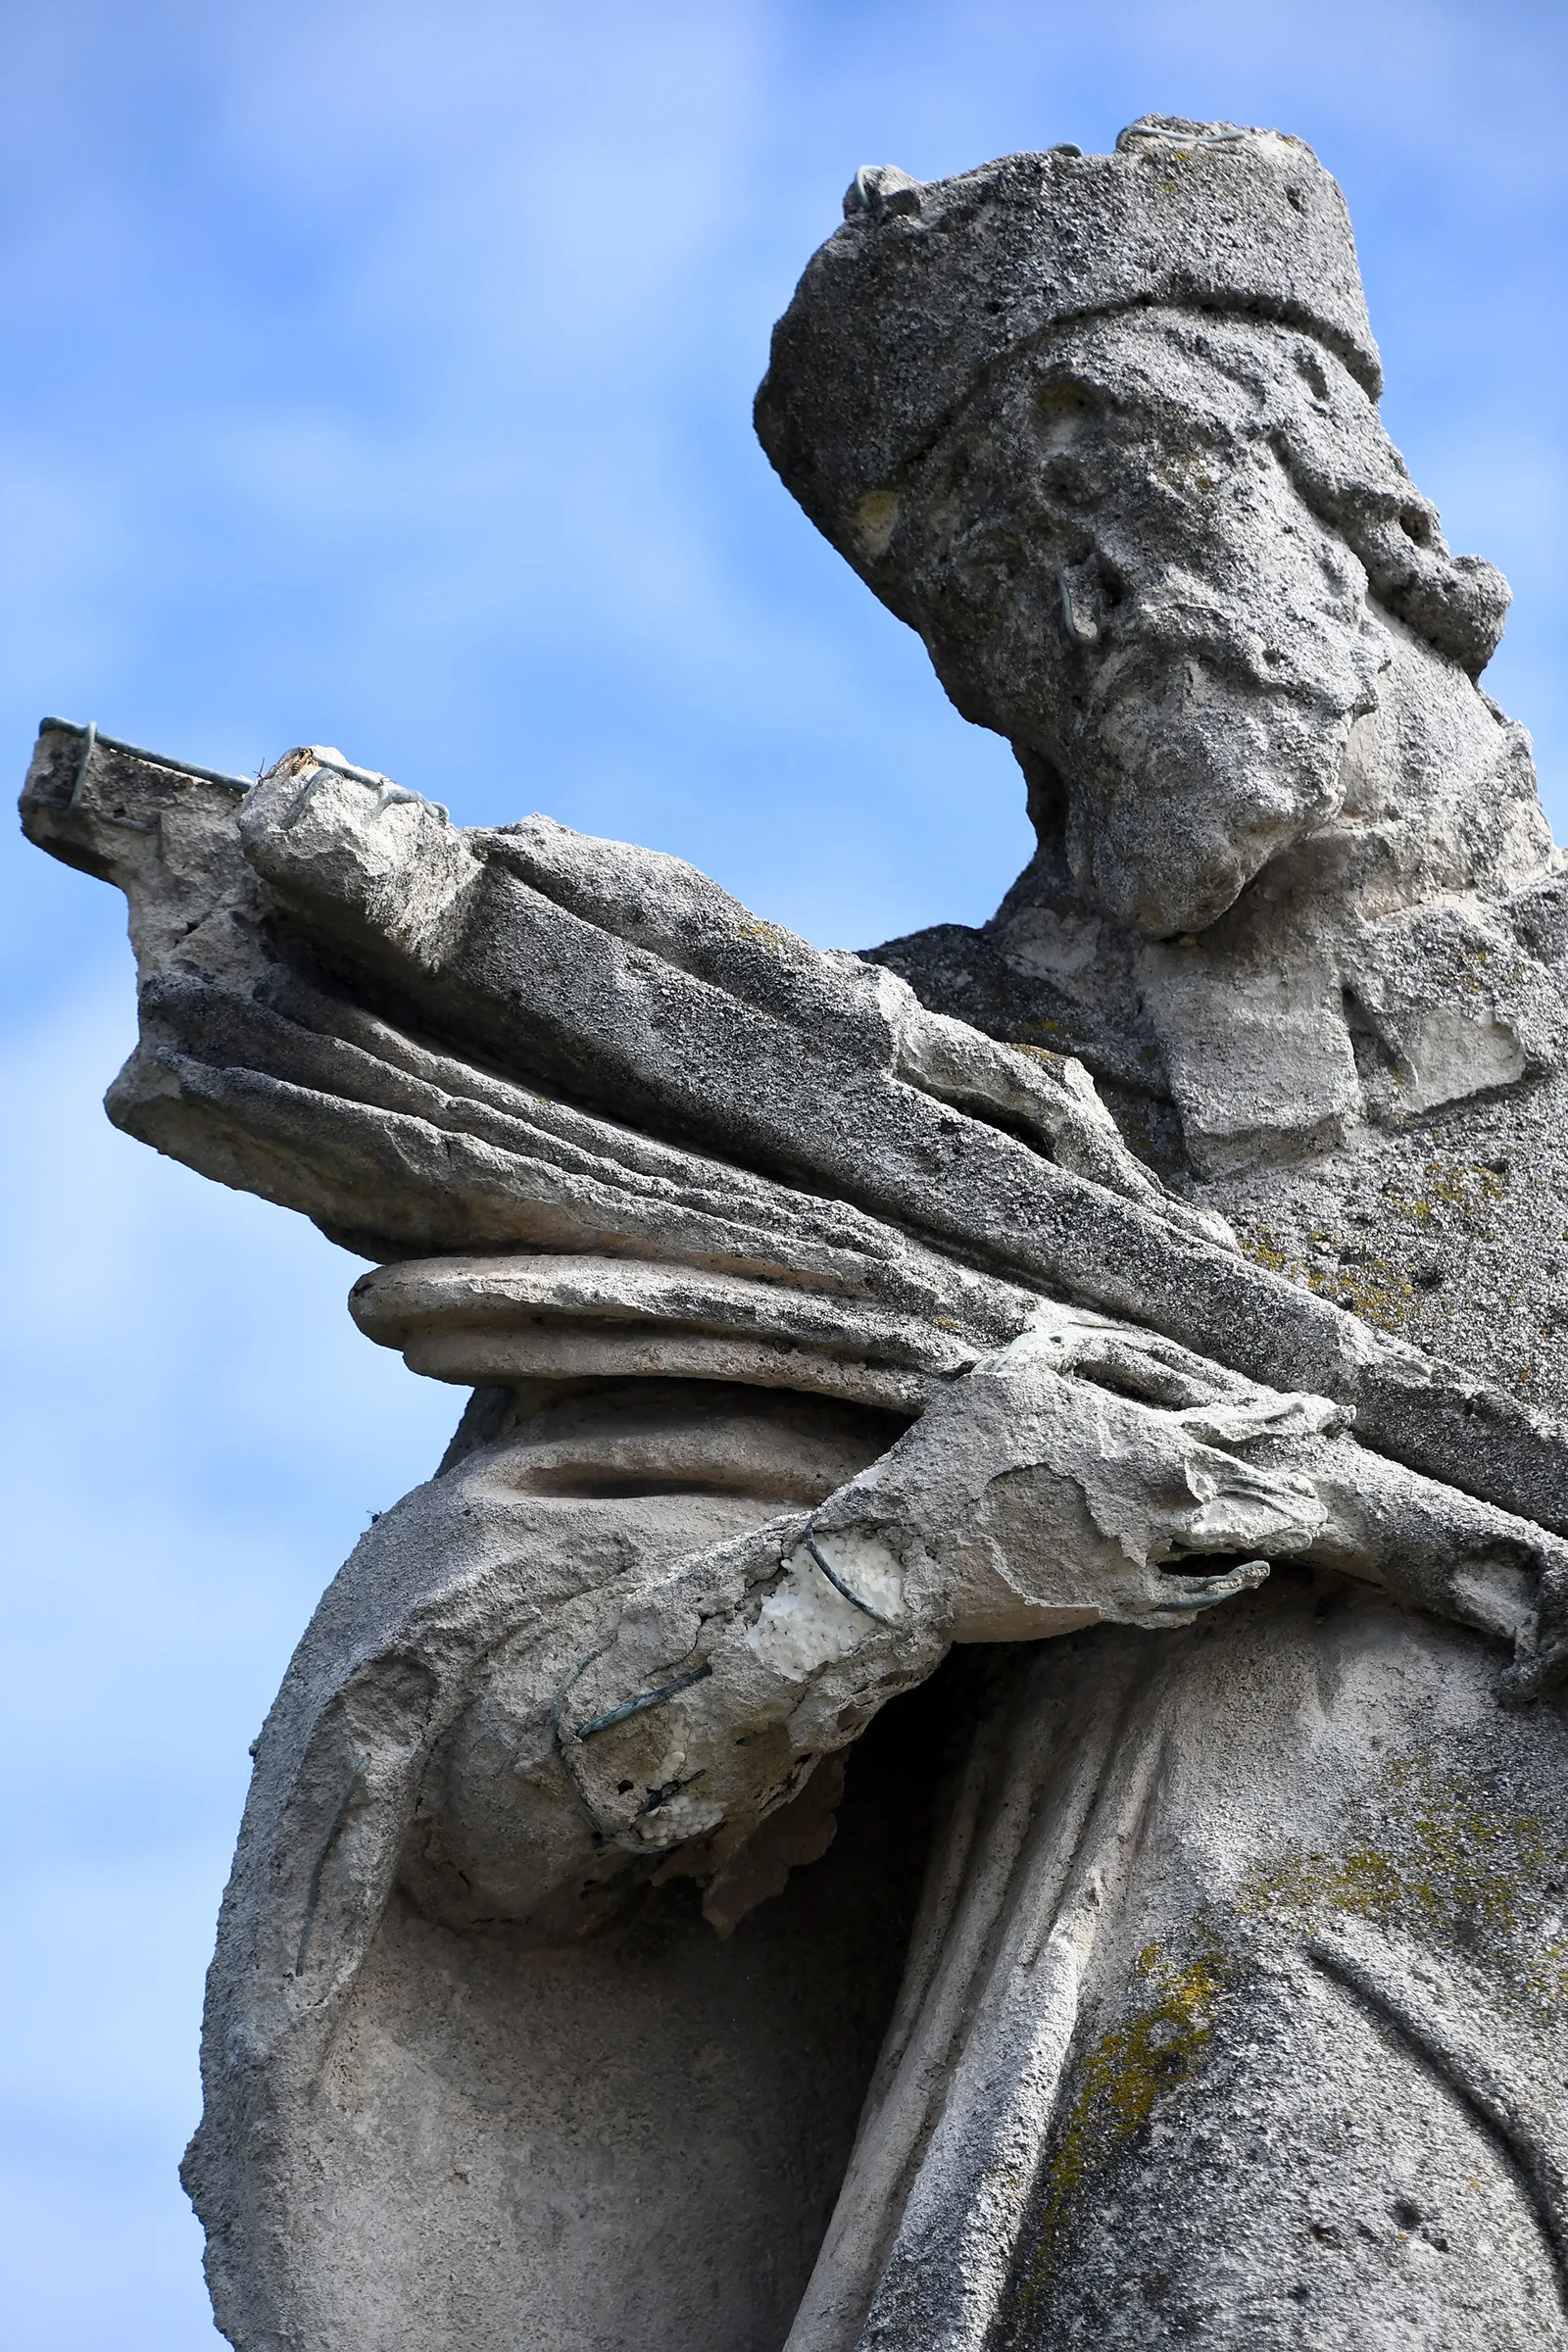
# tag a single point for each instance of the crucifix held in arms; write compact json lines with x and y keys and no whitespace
{"x":966,"y":1751}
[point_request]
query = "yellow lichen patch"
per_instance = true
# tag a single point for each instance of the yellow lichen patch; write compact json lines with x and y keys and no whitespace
{"x":1044,"y":1024}
{"x":1261,"y":1248}
{"x":1468,"y":1185}
{"x":1121,"y":2080}
{"x":1438,"y":1864}
{"x":1375,"y":1288}
{"x":1381,"y":1293}
{"x":1481,"y":971}
{"x":766,"y":935}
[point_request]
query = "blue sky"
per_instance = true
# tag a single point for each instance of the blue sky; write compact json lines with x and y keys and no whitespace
{"x":380,"y":375}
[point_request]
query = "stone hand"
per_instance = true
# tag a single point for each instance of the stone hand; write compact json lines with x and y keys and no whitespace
{"x":1540,"y":1640}
{"x":1086,"y":1473}
{"x":1088,"y":1470}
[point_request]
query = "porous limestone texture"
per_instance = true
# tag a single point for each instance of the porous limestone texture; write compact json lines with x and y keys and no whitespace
{"x":1073,"y":1402}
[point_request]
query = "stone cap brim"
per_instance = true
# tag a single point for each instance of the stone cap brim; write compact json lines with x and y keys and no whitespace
{"x":925,"y":290}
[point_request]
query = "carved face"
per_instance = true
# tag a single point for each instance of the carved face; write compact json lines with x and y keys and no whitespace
{"x":1151,"y":554}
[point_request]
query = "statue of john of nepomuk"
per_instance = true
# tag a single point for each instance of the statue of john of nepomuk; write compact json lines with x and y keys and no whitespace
{"x":966,"y":1747}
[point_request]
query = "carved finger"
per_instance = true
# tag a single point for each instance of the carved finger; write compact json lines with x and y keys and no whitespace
{"x":1541,"y":1648}
{"x":1182,"y":1596}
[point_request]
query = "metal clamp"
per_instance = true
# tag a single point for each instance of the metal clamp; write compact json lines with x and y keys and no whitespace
{"x":640,"y":1705}
{"x":839,"y":1586}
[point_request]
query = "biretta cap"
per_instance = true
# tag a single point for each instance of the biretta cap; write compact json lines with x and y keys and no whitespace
{"x":928,"y":286}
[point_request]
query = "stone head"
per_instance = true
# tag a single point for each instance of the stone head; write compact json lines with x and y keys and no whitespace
{"x":1104,"y":431}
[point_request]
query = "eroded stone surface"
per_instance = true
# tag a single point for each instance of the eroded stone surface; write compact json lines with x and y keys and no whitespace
{"x":1084,"y":1385}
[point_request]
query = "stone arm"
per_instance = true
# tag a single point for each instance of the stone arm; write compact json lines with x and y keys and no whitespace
{"x":712,"y":1151}
{"x":437,"y":1042}
{"x":1080,"y":1475}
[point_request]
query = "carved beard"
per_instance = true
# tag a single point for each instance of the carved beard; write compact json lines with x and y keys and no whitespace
{"x":1183,"y":781}
{"x":1193,"y":697}
{"x":1190,"y":755}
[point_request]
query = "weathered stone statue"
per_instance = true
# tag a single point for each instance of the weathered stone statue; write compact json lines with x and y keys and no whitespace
{"x":1125,"y":1337}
